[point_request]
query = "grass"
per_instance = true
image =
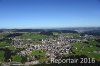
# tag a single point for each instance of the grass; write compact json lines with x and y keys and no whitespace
{"x":38,"y":53}
{"x":11,"y":48}
{"x":86,"y":50}
{"x":6,"y":45}
{"x":72,"y":34}
{"x":3,"y":44}
{"x":2,"y":35}
{"x":17,"y":58}
{"x":2,"y":56}
{"x":34,"y":36}
{"x":77,"y":47}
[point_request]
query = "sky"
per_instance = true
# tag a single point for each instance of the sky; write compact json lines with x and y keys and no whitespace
{"x":49,"y":13}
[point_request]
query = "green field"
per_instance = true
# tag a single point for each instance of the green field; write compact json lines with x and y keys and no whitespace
{"x":33,"y":36}
{"x":38,"y":53}
{"x":17,"y":58}
{"x":86,"y":49}
{"x":71,"y":34}
{"x":4,"y":44}
{"x":2,"y":35}
{"x":2,"y":56}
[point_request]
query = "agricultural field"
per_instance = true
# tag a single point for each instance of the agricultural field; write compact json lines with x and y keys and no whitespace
{"x":33,"y":36}
{"x":90,"y":49}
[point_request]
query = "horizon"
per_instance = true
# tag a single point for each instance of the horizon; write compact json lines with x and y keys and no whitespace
{"x":52,"y":28}
{"x":42,"y":14}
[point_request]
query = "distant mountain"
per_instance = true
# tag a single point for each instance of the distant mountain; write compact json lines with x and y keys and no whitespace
{"x":93,"y":32}
{"x":64,"y":30}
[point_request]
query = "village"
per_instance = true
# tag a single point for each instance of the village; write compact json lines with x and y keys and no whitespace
{"x":53,"y":47}
{"x":42,"y":51}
